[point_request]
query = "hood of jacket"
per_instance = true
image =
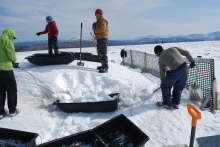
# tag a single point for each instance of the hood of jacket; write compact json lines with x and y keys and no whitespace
{"x":9,"y":34}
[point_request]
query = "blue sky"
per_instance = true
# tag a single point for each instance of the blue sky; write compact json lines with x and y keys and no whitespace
{"x":128,"y":19}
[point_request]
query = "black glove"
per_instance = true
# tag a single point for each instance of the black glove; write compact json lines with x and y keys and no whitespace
{"x":94,"y":24}
{"x":192,"y":64}
{"x":38,"y":34}
{"x":15,"y":65}
{"x":55,"y":38}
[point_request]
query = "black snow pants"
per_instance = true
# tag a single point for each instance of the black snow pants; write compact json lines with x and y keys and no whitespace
{"x":8,"y":85}
{"x":53,"y":42}
{"x":102,"y":52}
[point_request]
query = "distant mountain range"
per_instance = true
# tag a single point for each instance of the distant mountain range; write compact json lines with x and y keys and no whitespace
{"x":150,"y":39}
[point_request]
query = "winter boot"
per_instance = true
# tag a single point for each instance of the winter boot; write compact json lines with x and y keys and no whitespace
{"x":16,"y":112}
{"x":99,"y":67}
{"x":161,"y":104}
{"x":103,"y":70}
{"x":3,"y":115}
{"x":176,"y":106}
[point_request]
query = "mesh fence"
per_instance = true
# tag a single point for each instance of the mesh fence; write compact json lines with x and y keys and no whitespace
{"x":149,"y":63}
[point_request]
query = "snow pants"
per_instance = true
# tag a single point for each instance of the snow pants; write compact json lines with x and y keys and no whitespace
{"x":102,"y":52}
{"x":8,"y":84}
{"x":52,"y":42}
{"x":177,"y":79}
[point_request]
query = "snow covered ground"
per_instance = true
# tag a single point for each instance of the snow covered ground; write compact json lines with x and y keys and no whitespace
{"x":164,"y":127}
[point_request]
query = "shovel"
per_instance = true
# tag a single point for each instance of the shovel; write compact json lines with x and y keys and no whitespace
{"x":195,"y":92}
{"x":196,"y":115}
{"x":80,"y":63}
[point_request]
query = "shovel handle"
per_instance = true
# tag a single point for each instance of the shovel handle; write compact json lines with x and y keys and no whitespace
{"x":196,"y":114}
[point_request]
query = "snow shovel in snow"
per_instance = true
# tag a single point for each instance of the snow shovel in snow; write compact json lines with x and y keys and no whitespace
{"x":195,"y":92}
{"x":156,"y":89}
{"x":196,"y":115}
{"x":80,"y":63}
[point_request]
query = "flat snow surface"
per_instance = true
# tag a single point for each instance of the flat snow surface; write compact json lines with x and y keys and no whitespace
{"x":84,"y":84}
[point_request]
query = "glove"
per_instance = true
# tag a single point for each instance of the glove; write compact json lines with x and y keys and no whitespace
{"x":192,"y":64}
{"x":55,"y":38}
{"x":38,"y":34}
{"x":15,"y":65}
{"x":94,"y":24}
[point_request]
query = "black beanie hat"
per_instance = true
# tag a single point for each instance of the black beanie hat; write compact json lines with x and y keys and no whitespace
{"x":158,"y":48}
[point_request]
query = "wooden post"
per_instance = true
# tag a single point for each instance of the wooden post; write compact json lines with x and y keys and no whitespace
{"x":215,"y":99}
{"x":132,"y":65}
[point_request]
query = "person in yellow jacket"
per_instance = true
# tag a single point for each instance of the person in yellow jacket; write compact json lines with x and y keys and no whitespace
{"x":7,"y":79}
{"x":101,"y":32}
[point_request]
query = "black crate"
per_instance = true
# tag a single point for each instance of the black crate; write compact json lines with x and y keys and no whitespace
{"x":28,"y":137}
{"x":121,"y":132}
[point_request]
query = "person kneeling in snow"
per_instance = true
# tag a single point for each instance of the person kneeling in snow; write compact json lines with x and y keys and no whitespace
{"x":171,"y":60}
{"x":7,"y":79}
{"x":101,"y":31}
{"x":52,"y":35}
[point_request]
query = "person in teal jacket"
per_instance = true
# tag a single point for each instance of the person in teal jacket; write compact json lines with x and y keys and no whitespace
{"x":7,"y":79}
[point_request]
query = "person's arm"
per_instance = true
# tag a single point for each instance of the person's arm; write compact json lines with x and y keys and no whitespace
{"x":45,"y":31}
{"x":162,"y":70}
{"x":186,"y":54}
{"x":10,"y":50}
{"x":93,"y":26}
{"x":101,"y":28}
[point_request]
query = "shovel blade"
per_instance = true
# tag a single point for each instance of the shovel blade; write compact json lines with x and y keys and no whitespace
{"x":195,"y":93}
{"x":80,"y":63}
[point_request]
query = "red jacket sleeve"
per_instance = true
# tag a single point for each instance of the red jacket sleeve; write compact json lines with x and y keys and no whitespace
{"x":45,"y":31}
{"x":55,"y":30}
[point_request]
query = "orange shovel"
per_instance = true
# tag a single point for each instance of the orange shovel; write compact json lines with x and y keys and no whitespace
{"x":196,"y":115}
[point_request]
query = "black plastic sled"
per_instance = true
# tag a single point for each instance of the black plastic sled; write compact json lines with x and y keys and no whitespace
{"x":117,"y":132}
{"x":100,"y":106}
{"x":121,"y":132}
{"x":53,"y":59}
{"x":87,"y":57}
{"x":27,"y":139}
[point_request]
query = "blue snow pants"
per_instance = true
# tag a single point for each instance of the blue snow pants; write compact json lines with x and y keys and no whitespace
{"x":177,"y":79}
{"x":102,"y":52}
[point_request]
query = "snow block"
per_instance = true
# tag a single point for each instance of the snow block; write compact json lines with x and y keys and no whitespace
{"x":87,"y":57}
{"x":117,"y":132}
{"x":18,"y":137}
{"x":47,"y":59}
{"x":100,"y":106}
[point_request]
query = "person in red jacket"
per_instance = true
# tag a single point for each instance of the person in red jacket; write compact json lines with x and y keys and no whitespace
{"x":52,"y":31}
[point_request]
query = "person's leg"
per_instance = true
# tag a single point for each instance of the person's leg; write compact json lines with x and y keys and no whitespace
{"x":98,"y":48}
{"x":50,"y":43}
{"x":179,"y":85}
{"x":103,"y":52}
{"x":11,"y":88}
{"x":55,"y":45}
{"x":166,"y":85}
{"x":2,"y":93}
